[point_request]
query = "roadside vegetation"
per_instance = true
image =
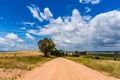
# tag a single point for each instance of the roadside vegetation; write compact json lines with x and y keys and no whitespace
{"x":106,"y":63}
{"x":22,"y":62}
{"x":13,"y":64}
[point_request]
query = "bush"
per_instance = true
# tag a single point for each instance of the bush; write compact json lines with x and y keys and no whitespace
{"x":58,"y":53}
{"x":115,"y":58}
{"x":97,"y":57}
{"x":77,"y":54}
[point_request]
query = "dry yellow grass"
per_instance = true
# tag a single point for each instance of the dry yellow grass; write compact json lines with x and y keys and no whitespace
{"x":18,"y":62}
{"x":21,"y":53}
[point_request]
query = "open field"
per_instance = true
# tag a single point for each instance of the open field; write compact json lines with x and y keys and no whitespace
{"x":109,"y":64}
{"x":21,"y":53}
{"x":13,"y":64}
{"x":105,"y":56}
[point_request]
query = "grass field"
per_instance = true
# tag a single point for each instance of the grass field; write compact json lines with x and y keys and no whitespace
{"x":105,"y":63}
{"x":19,"y":61}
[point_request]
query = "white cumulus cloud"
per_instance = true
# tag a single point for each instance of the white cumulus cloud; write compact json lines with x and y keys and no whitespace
{"x":14,"y":37}
{"x":2,"y":40}
{"x":67,"y":32}
{"x":47,"y":15}
{"x":35,"y":12}
{"x":29,"y":36}
{"x":93,"y":2}
{"x":101,"y":32}
{"x":106,"y":28}
{"x":11,"y":42}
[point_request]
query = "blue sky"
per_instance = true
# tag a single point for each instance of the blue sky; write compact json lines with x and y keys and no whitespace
{"x":72,"y":24}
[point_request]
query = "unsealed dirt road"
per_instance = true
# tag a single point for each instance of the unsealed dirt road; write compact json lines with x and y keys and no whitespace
{"x":63,"y":69}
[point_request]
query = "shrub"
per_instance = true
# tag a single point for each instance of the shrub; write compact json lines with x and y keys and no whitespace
{"x":97,"y":57}
{"x":115,"y":58}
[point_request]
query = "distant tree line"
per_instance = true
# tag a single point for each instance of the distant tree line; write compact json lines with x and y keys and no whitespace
{"x":47,"y":46}
{"x":75,"y":54}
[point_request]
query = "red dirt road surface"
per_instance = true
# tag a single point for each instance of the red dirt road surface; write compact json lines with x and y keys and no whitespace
{"x":63,"y":69}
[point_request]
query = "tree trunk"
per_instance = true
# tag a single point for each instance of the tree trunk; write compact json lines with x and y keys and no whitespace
{"x":46,"y":54}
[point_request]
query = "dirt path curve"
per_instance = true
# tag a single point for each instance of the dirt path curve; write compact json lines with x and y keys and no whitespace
{"x":63,"y":69}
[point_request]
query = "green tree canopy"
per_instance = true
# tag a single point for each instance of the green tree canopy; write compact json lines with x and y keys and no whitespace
{"x":46,"y":45}
{"x":58,"y":53}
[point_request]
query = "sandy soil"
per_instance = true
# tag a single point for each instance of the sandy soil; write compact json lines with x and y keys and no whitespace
{"x":9,"y":74}
{"x":63,"y":69}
